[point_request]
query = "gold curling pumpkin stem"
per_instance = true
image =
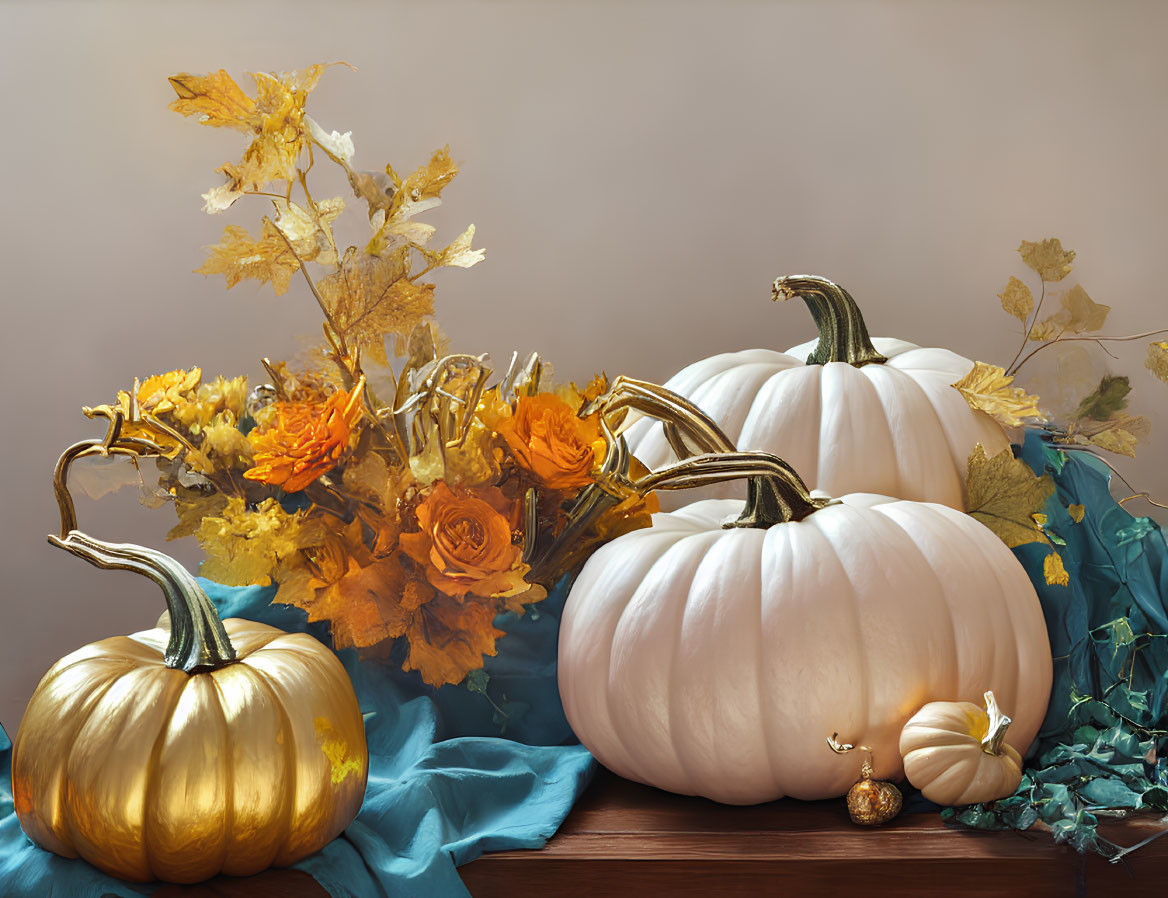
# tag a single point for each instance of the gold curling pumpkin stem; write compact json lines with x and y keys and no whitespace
{"x":998,"y":724}
{"x":689,"y":430}
{"x":775,"y":494}
{"x":843,"y":336}
{"x":198,"y":640}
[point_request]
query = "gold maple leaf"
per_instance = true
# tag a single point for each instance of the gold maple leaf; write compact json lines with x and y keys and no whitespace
{"x":1048,"y":258}
{"x":370,"y":297}
{"x":1157,"y":361}
{"x":237,"y":256}
{"x":987,"y":388}
{"x":1017,"y":299}
{"x":1005,"y":495}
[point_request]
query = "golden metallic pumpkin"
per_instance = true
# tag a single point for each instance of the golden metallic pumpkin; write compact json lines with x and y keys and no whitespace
{"x":211,"y":747}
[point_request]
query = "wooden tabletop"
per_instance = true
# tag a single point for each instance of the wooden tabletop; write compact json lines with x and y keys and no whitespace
{"x":623,"y":839}
{"x":627,"y":839}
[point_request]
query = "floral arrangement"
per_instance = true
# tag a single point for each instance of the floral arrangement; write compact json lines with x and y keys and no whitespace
{"x":387,"y":486}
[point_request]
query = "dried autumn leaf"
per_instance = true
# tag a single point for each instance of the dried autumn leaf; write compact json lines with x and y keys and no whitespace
{"x":1105,"y":400}
{"x":459,"y":254}
{"x":1120,"y":433}
{"x":338,"y":146}
{"x":378,"y":190}
{"x":1004,"y":494}
{"x":215,"y":100}
{"x":1044,"y":330}
{"x":448,"y":638}
{"x":310,"y":230}
{"x":237,"y":257}
{"x":1080,"y":313}
{"x":1048,"y":258}
{"x":363,"y":606}
{"x":429,"y":180}
{"x":987,"y":388}
{"x":1077,"y":512}
{"x":275,"y":118}
{"x":1053,"y":570}
{"x":1157,"y":361}
{"x":1017,"y":299}
{"x":370,"y":297}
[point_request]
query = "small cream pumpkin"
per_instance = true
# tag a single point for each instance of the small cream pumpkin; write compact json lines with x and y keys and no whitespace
{"x":955,"y":753}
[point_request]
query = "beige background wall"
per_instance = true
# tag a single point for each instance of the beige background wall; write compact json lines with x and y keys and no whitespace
{"x":638,"y":172}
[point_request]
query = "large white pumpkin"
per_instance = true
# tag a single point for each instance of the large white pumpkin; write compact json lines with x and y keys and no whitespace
{"x":716,"y":662}
{"x":851,"y":415}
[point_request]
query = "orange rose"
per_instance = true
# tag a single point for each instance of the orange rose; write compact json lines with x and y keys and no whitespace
{"x":465,"y":543}
{"x":549,"y":440}
{"x":306,"y":441}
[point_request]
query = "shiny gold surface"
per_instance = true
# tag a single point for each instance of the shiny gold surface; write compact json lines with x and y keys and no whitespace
{"x":151,"y":773}
{"x":871,"y":803}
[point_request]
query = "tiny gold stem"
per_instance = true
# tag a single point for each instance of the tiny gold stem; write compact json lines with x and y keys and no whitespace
{"x":998,"y":724}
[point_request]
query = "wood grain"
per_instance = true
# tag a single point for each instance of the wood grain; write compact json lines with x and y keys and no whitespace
{"x":627,"y":839}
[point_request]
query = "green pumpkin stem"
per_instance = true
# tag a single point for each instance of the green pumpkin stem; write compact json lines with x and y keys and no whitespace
{"x":198,"y":640}
{"x":998,"y":724}
{"x":775,"y":493}
{"x":843,"y":336}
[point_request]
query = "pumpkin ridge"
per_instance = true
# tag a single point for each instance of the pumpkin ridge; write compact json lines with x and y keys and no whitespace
{"x":672,"y":714}
{"x":949,"y":526}
{"x":289,"y":746}
{"x":808,"y":467}
{"x":956,"y":480}
{"x":938,"y":737}
{"x":285,"y":813}
{"x":760,"y":656}
{"x":64,"y":813}
{"x":595,"y":665}
{"x":1010,"y":699}
{"x":892,"y":440}
{"x":861,"y":738}
{"x":953,"y":650}
{"x":228,"y":779}
{"x":148,"y":795}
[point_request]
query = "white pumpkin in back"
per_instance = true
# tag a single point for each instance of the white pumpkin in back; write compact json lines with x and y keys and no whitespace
{"x":849,"y":413}
{"x":716,"y":661}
